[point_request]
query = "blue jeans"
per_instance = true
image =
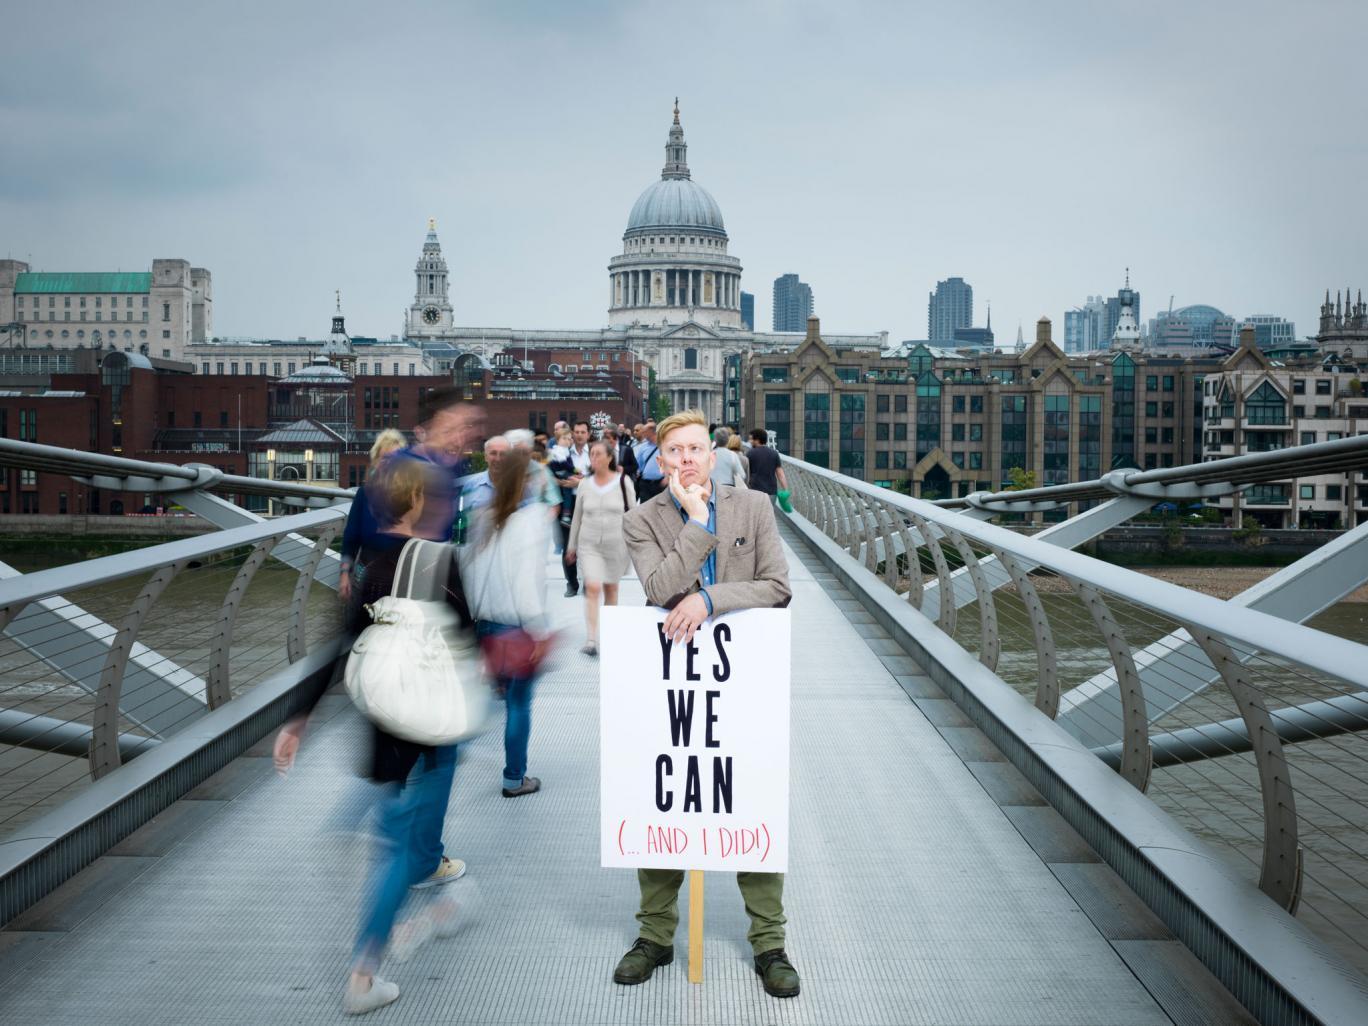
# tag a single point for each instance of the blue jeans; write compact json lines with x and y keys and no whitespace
{"x":409,"y":821}
{"x":517,"y":714}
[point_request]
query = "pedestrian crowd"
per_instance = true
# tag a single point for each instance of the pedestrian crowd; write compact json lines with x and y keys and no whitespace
{"x":464,"y":551}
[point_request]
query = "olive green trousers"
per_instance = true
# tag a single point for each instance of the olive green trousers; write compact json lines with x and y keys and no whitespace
{"x":763,"y":894}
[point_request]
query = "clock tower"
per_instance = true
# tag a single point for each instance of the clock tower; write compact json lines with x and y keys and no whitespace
{"x":430,"y":316}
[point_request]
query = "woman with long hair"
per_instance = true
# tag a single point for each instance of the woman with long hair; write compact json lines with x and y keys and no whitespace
{"x":506,"y":556}
{"x":596,"y":542}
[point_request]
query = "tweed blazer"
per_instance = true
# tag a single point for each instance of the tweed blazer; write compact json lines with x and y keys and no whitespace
{"x":669,"y":553}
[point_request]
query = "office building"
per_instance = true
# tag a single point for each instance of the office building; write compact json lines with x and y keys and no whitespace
{"x":792,"y":303}
{"x":951,"y":306}
{"x":748,"y":311}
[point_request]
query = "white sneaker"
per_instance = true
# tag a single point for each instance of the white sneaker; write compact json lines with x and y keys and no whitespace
{"x":359,"y":1002}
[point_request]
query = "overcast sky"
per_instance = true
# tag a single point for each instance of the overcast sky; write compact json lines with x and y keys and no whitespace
{"x":1037,"y":149}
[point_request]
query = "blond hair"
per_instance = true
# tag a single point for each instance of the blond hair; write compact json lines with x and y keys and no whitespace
{"x":385,"y":443}
{"x":734,"y":443}
{"x":685,"y":418}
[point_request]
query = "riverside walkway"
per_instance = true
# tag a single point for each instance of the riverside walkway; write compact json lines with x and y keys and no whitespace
{"x":929,"y":882}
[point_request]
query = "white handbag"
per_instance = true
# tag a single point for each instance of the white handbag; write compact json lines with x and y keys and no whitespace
{"x":413,"y":672}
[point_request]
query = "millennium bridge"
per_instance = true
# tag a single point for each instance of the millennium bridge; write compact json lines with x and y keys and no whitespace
{"x":1028,"y":786}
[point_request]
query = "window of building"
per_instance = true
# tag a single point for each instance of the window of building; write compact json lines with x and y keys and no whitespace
{"x":900,"y":403}
{"x":1151,"y":436}
{"x":1307,"y":491}
{"x":900,"y":460}
{"x":880,"y":459}
{"x":1166,"y":436}
{"x":218,"y":367}
{"x":233,"y":367}
{"x":1151,"y":382}
{"x":275,"y":368}
{"x":1151,"y":409}
{"x":223,"y":418}
{"x":817,"y":428}
{"x":779,"y":419}
{"x":976,"y":461}
{"x":976,"y":404}
{"x":881,"y":403}
{"x":957,"y":404}
{"x":1298,"y":411}
{"x":1166,"y":410}
{"x":1322,"y":413}
{"x":1308,"y":437}
{"x":1266,"y":406}
{"x":880,"y":432}
{"x":1334,"y":493}
{"x":956,"y":432}
{"x":166,"y":334}
{"x":976,"y":432}
{"x":1168,"y":382}
{"x":900,"y":432}
{"x":198,"y":419}
{"x":204,"y":367}
{"x":1299,"y":386}
{"x":166,"y":311}
{"x":1323,"y":386}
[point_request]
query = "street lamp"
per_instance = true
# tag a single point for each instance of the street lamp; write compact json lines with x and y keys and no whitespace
{"x":308,"y":464}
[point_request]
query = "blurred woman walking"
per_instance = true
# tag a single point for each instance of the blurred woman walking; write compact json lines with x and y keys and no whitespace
{"x":506,"y":554}
{"x":596,"y":542}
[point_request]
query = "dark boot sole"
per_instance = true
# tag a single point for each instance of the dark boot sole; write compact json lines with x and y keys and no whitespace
{"x":632,"y":982}
{"x":776,"y":991}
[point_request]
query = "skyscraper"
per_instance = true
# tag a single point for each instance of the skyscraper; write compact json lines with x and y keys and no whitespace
{"x":951,"y":306}
{"x":748,"y":310}
{"x":792,"y":303}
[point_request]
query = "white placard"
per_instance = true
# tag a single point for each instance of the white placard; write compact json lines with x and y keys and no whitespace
{"x":694,"y":742}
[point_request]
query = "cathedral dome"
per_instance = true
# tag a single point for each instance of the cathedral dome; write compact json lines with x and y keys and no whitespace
{"x":676,"y":203}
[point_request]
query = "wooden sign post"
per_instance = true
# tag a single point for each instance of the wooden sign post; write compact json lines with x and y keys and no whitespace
{"x":694,"y":748}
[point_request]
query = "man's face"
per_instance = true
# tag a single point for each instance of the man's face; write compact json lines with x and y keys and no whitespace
{"x":495,"y":450}
{"x":687,"y":451}
{"x":581,"y":435}
{"x":451,"y":431}
{"x":639,"y":432}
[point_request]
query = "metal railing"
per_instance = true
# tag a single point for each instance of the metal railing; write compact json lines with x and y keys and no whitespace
{"x":1269,"y":766}
{"x":1191,"y":481}
{"x":103,"y":660}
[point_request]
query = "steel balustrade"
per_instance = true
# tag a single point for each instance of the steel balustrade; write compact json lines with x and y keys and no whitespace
{"x":1222,"y":631}
{"x":163,"y":563}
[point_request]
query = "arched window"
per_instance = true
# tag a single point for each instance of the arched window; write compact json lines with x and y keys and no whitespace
{"x":691,"y":359}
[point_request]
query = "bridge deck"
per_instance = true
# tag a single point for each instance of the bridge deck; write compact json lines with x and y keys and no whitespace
{"x":928,"y":883}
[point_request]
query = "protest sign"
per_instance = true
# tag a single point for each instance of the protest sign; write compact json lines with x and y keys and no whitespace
{"x":694,"y":742}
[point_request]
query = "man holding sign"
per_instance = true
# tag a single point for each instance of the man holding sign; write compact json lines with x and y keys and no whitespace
{"x":701,"y":551}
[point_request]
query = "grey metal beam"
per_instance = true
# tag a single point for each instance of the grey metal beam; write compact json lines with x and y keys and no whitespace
{"x":74,"y":644}
{"x":1312,"y":721}
{"x":49,"y":734}
{"x":294,"y":550}
{"x":1174,"y":669}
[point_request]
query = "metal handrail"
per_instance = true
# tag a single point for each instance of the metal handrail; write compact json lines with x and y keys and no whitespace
{"x":1342,"y":454}
{"x":53,"y":459}
{"x":1309,"y":648}
{"x":43,"y":584}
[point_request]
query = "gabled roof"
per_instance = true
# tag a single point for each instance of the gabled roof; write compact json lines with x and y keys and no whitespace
{"x":303,"y":432}
{"x":698,"y":330}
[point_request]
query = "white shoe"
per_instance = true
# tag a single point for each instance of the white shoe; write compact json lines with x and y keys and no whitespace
{"x":448,"y":870}
{"x":380,"y":994}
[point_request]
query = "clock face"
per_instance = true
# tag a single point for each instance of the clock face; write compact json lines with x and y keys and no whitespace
{"x":432,"y":315}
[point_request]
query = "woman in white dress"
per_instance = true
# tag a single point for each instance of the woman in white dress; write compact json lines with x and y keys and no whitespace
{"x":596,"y":542}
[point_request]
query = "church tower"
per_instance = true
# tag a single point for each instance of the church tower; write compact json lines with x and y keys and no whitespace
{"x":430,"y":316}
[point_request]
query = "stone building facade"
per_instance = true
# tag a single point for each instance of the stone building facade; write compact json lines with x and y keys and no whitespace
{"x":944,"y":423}
{"x":156,"y":313}
{"x":1257,"y":404}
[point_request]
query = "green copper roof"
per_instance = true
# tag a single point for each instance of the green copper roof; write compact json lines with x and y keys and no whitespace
{"x":89,"y":282}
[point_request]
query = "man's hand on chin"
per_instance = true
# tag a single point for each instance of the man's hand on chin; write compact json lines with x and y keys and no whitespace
{"x":685,"y":618}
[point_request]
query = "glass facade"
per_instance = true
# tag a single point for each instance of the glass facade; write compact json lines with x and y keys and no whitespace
{"x":779,"y":419}
{"x":817,"y":428}
{"x":1056,"y":458}
{"x":928,"y":414}
{"x":852,"y":431}
{"x":1089,"y":437}
{"x":1013,"y":435}
{"x":1123,"y":412}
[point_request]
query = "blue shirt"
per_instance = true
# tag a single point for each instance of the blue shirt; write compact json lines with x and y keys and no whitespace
{"x":708,"y":572}
{"x":646,"y":462}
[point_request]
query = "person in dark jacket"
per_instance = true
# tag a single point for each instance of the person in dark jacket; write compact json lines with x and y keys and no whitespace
{"x":417,"y":777}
